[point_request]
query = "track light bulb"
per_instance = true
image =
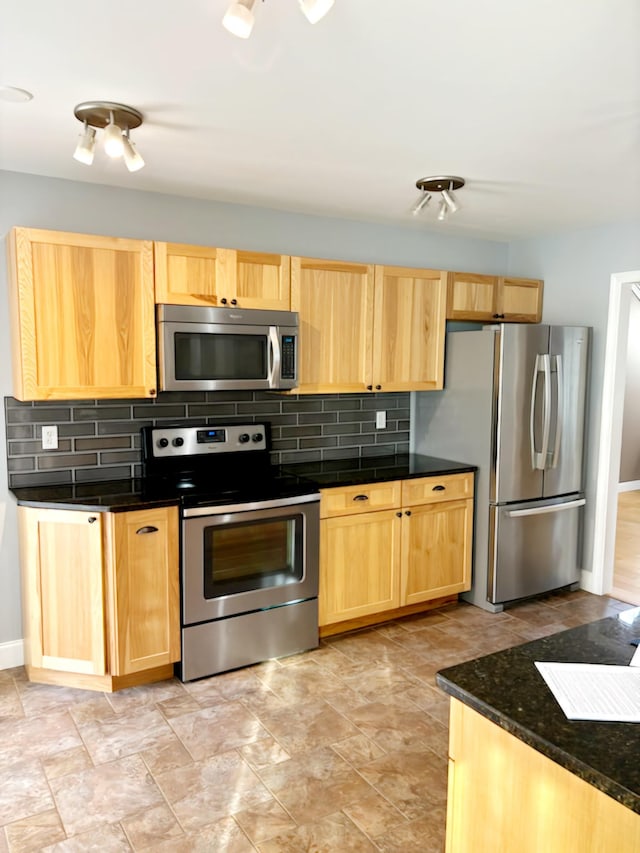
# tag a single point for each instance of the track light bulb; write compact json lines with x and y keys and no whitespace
{"x":443,"y":210}
{"x":314,"y":10}
{"x":421,"y":202}
{"x":239,"y":18}
{"x":132,"y":159}
{"x":86,"y":145}
{"x":452,"y":204}
{"x":113,"y":144}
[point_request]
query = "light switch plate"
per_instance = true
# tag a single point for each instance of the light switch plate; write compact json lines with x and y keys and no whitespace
{"x":49,"y":437}
{"x":381,"y":420}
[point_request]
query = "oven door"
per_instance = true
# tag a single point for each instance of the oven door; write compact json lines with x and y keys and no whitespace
{"x":248,"y":557}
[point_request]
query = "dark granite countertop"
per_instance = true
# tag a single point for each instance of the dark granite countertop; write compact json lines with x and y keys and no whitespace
{"x":106,"y":496}
{"x":507,"y":688}
{"x":123,"y":495}
{"x":372,"y":469}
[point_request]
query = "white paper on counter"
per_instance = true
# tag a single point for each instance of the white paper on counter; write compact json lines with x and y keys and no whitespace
{"x":587,"y":691}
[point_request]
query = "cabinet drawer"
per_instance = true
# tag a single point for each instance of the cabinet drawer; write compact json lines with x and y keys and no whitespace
{"x":355,"y":499}
{"x":424,"y":490}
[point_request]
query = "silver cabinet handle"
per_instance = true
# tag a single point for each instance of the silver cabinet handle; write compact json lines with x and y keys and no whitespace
{"x":148,"y":529}
{"x":542,"y":510}
{"x":361,"y":498}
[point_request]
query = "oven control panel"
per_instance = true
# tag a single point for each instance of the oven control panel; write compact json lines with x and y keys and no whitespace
{"x":205,"y":440}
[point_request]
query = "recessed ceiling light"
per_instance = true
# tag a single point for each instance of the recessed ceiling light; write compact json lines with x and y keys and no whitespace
{"x":13,"y":95}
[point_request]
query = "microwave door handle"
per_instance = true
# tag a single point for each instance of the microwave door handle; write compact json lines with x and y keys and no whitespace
{"x":274,"y":357}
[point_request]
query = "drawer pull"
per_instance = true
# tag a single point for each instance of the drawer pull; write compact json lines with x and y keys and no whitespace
{"x":361,"y":498}
{"x":148,"y":529}
{"x":399,"y":514}
{"x":407,"y":512}
{"x":438,"y":488}
{"x":92,"y":519}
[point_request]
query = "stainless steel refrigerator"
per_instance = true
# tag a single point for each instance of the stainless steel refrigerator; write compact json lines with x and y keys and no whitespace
{"x":514,"y":404}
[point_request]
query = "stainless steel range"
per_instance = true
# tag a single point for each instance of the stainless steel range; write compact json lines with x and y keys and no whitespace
{"x":249,"y":545}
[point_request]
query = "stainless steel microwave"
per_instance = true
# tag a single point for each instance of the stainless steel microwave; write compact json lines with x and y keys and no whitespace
{"x":226,"y":349}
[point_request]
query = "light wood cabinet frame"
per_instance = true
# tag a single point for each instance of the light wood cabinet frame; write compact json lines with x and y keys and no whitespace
{"x":82,"y":316}
{"x":394,"y":545}
{"x":217,"y":277}
{"x":503,"y":795}
{"x":487,"y":298}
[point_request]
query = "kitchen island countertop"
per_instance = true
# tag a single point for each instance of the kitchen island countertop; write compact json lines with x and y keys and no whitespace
{"x":507,"y":689}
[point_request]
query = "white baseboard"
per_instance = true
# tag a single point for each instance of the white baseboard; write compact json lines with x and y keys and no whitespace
{"x":631,"y":486}
{"x":589,"y":582}
{"x":11,"y":654}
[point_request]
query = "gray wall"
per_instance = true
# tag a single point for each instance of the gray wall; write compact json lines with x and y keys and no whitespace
{"x":577,"y":267}
{"x":38,"y":202}
{"x":630,"y":453}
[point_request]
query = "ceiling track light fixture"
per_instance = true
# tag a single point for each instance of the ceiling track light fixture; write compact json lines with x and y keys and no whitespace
{"x":443,"y":184}
{"x":117,"y":120}
{"x":239,"y":17}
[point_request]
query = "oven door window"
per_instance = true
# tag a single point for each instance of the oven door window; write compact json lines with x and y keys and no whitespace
{"x":220,"y":356}
{"x":252,"y":555}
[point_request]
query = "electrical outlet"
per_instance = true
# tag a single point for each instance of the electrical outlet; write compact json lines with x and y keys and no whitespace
{"x":49,"y":437}
{"x":381,"y":420}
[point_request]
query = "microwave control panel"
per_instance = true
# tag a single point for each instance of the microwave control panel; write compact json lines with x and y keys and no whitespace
{"x":288,"y":364}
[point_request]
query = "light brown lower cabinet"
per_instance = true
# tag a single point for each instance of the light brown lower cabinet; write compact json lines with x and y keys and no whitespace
{"x":505,"y":796}
{"x":388,"y":546}
{"x":100,"y":596}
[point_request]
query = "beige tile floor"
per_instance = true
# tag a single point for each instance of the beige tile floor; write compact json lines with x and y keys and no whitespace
{"x":339,"y":749}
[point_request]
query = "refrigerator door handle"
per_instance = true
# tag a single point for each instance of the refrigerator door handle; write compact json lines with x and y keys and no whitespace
{"x":542,"y":365}
{"x":559,"y":412}
{"x":541,"y":510}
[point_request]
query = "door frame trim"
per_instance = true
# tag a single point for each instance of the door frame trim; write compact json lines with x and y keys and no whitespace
{"x":600,"y":579}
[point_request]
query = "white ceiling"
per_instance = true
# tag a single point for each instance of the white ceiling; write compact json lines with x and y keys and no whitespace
{"x":536,"y":103}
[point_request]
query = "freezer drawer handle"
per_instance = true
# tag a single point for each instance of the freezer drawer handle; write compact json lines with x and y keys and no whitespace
{"x":438,"y":488}
{"x":542,"y":510}
{"x":361,"y":498}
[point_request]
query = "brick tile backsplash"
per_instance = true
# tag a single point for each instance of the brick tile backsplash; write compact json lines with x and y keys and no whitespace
{"x":100,"y":439}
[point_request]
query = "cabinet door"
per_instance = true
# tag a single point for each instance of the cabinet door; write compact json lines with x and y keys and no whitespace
{"x":263,"y":281}
{"x":82,"y":316}
{"x":436,"y":550}
{"x":409,"y":329}
{"x":471,"y":296}
{"x":62,"y":590}
{"x":335,"y":303}
{"x":520,"y":300}
{"x":143,"y":595}
{"x":193,"y":275}
{"x":359,"y":563}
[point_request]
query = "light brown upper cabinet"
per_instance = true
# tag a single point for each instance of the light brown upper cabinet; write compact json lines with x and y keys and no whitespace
{"x":199,"y":275}
{"x":366,"y":328}
{"x":487,"y":298}
{"x":409,"y":329}
{"x":82,"y":316}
